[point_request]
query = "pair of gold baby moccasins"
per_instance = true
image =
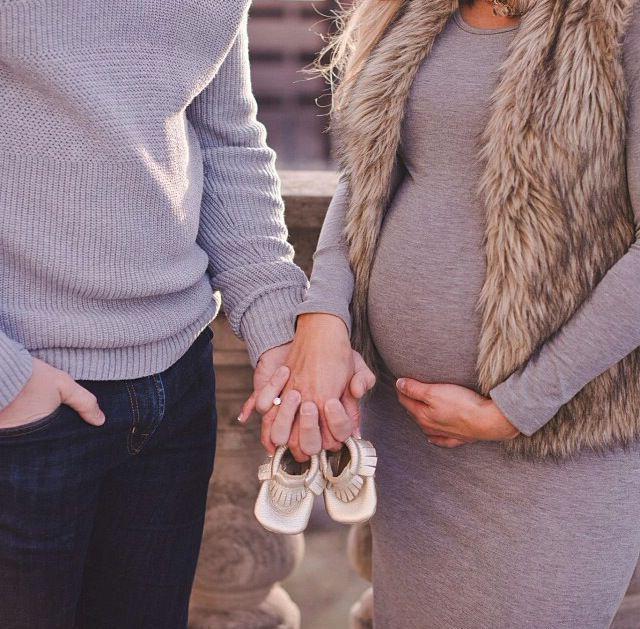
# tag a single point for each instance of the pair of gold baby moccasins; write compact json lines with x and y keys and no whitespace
{"x":289,"y":488}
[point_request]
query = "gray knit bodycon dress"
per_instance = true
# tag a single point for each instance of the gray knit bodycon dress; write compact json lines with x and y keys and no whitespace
{"x":465,"y":538}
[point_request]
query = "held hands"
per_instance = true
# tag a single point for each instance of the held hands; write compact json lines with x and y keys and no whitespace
{"x":320,"y":381}
{"x":451,"y":415}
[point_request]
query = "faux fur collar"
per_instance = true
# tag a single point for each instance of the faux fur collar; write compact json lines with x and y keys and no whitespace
{"x":554,"y":187}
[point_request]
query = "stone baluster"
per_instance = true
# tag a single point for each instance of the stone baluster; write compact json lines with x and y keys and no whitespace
{"x":241,"y":564}
{"x":359,"y":554}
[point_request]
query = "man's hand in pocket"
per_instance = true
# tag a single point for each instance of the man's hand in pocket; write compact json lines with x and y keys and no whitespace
{"x":45,"y":391}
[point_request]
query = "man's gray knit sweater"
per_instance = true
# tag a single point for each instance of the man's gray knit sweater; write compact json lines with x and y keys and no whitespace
{"x":135,"y":184}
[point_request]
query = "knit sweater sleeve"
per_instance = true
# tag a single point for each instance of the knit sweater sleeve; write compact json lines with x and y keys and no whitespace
{"x":607,"y":325}
{"x":15,"y":369}
{"x":242,"y":227}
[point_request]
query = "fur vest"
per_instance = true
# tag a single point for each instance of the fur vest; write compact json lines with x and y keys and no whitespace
{"x":558,"y":214}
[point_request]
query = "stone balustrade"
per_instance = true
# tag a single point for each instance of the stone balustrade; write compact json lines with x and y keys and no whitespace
{"x":241,"y":564}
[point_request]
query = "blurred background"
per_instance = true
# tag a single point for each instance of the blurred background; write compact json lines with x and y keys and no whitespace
{"x":285,"y":37}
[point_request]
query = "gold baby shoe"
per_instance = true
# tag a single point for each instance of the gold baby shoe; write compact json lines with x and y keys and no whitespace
{"x":287,"y":492}
{"x":350,"y":492}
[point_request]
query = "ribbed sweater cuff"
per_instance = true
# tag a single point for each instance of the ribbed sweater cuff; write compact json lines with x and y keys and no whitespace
{"x":271,"y":320}
{"x":15,"y":369}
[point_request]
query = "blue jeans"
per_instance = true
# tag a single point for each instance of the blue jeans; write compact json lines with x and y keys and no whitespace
{"x":101,"y":527}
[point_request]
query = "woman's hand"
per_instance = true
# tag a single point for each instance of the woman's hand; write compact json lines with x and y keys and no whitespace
{"x":451,"y":415}
{"x":321,"y":365}
{"x":341,"y":417}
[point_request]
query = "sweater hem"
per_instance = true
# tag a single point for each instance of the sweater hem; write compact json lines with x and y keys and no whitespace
{"x":126,"y":363}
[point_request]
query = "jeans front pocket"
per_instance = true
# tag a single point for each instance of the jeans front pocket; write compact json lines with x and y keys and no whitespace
{"x":30,"y":427}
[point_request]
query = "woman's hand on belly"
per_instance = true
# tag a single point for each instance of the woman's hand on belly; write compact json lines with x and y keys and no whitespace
{"x":451,"y":415}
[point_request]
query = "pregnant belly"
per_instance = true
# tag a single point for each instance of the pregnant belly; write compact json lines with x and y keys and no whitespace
{"x":424,"y":289}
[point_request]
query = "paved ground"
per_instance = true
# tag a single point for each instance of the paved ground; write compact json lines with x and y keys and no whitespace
{"x":325,"y":586}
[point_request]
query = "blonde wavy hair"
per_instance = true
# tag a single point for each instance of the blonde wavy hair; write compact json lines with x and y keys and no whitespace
{"x":359,"y":28}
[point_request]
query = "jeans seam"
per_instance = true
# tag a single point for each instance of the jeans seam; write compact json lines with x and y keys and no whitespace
{"x":137,"y":440}
{"x":157,"y":381}
{"x":135,"y":412}
{"x":160,"y":393}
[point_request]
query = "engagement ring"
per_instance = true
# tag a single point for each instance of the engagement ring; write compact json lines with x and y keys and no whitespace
{"x":277,"y":401}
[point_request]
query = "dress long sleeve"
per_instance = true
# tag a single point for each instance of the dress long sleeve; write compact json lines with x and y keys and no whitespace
{"x":607,"y":325}
{"x":332,"y":280}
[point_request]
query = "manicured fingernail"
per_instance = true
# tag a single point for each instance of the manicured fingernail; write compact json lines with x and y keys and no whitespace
{"x":101,"y":418}
{"x":400,"y":383}
{"x":239,"y":418}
